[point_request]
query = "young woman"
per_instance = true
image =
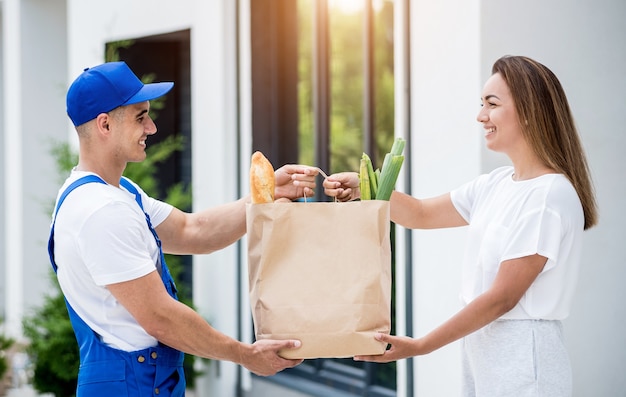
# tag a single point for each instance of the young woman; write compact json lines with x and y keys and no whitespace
{"x":525,"y":228}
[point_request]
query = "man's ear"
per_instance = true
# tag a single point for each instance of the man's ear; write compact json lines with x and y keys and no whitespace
{"x":102,"y":122}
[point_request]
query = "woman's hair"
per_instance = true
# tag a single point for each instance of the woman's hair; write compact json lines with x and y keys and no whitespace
{"x":547,"y":124}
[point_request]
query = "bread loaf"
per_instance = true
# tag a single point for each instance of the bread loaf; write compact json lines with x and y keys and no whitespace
{"x":262,"y":180}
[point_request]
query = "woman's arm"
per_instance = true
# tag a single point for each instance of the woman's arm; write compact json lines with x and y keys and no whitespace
{"x":512,"y":281}
{"x":408,"y":211}
{"x":431,"y":213}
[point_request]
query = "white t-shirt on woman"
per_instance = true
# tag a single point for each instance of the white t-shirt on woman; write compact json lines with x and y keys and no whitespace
{"x":511,"y":219}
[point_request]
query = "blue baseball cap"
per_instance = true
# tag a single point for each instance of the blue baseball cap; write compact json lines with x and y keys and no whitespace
{"x":105,"y":87}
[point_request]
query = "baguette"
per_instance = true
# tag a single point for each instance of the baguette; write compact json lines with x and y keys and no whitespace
{"x":262,"y":179}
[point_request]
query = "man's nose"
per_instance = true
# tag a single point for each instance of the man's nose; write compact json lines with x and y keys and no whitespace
{"x":150,"y":127}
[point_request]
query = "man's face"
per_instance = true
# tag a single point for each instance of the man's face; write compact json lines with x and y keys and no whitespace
{"x":131,"y":126}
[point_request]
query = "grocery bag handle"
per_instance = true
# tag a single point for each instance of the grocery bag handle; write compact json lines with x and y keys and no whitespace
{"x":325,"y":177}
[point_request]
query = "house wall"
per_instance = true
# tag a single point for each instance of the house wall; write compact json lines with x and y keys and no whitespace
{"x":46,"y":43}
{"x":454,"y":44}
{"x":445,"y":148}
{"x":3,"y":176}
{"x":32,"y":113}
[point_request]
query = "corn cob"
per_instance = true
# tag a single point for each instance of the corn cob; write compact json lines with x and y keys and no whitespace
{"x":371,"y":175}
{"x":364,"y":181}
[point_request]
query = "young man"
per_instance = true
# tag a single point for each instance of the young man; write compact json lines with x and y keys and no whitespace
{"x":107,"y":242}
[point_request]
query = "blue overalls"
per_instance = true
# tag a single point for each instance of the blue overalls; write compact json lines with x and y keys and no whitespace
{"x":107,"y":372}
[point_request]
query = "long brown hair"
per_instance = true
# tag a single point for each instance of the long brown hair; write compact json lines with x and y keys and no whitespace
{"x":548,"y":125}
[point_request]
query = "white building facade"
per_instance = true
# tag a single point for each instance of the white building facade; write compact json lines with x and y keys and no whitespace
{"x":450,"y":49}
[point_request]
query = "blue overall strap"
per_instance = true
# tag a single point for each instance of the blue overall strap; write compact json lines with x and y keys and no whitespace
{"x":125,"y":182}
{"x":131,"y":188}
{"x":74,"y":185}
{"x":161,"y":265}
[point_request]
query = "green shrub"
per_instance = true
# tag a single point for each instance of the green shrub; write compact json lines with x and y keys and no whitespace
{"x":5,"y":344}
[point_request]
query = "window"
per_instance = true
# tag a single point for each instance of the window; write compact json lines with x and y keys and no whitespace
{"x":345,"y":81}
{"x":322,"y":81}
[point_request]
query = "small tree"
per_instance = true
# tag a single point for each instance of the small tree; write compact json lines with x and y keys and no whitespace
{"x":53,"y":347}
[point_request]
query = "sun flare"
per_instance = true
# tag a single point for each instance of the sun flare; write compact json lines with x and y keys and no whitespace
{"x":353,"y":6}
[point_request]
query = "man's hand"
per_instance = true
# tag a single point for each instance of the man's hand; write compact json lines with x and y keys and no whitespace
{"x":295,"y":181}
{"x":262,"y":357}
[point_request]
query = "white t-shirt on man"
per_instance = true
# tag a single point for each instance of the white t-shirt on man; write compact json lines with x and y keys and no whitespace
{"x":511,"y":219}
{"x":102,"y":238}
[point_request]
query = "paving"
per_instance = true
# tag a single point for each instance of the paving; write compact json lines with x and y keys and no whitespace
{"x":260,"y":388}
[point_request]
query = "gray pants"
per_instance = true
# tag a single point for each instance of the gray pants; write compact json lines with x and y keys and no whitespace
{"x":516,"y":358}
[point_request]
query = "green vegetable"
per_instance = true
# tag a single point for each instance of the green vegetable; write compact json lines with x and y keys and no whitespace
{"x":389,"y":176}
{"x":378,"y":185}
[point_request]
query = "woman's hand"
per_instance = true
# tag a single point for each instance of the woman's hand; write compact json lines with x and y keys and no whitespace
{"x":344,"y":186}
{"x":401,"y":347}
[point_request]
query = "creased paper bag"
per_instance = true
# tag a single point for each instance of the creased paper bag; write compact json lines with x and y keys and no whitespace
{"x":321,"y":273}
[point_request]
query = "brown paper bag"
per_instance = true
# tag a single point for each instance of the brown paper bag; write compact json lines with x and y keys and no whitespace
{"x":321,"y":273}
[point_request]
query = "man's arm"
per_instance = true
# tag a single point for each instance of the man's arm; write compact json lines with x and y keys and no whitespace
{"x":203,"y":232}
{"x":216,"y":228}
{"x":181,"y":328}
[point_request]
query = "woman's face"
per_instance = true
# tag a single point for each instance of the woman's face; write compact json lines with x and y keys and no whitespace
{"x":503,"y":132}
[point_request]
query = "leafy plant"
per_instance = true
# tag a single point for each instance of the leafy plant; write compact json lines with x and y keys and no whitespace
{"x":53,"y":348}
{"x":5,"y":344}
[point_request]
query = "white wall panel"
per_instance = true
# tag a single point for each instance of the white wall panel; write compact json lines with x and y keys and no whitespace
{"x":33,"y":118}
{"x":445,"y":94}
{"x":215,"y":177}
